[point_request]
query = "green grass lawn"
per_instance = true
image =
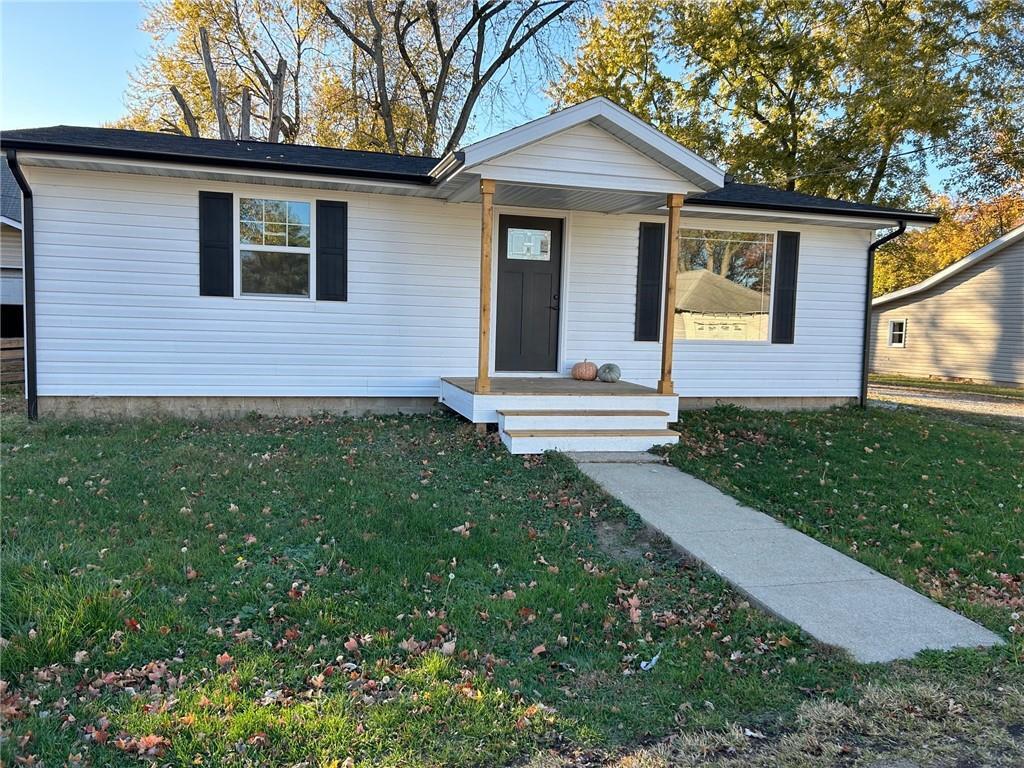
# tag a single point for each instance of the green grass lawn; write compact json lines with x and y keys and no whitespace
{"x":402,"y":591}
{"x":946,"y":386}
{"x":934,"y":503}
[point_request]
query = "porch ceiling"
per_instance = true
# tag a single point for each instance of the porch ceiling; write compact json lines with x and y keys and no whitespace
{"x":597,"y":200}
{"x":467,"y":190}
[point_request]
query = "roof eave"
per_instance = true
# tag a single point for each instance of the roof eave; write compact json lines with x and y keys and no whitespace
{"x":266,"y":165}
{"x":893,"y":215}
{"x":990,"y":249}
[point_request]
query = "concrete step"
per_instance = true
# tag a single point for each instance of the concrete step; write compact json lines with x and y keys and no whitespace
{"x":510,"y":419}
{"x":585,"y":440}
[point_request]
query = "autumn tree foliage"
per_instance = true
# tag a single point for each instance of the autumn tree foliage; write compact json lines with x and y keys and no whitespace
{"x":833,"y":97}
{"x":963,"y":229}
{"x":392,"y":75}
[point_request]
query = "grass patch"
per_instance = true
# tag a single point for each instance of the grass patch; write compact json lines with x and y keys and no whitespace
{"x":398,"y":591}
{"x":965,"y":387}
{"x":929,"y":501}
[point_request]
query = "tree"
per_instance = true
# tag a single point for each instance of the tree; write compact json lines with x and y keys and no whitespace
{"x":962,"y":229}
{"x":393,"y":75}
{"x":270,"y":49}
{"x":823,"y":96}
{"x":449,"y":54}
{"x":988,"y":156}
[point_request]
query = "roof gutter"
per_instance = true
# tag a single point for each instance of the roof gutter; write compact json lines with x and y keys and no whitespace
{"x":227,"y":162}
{"x":29,"y":281}
{"x":895,"y":215}
{"x":868,"y":289}
{"x":446,"y":166}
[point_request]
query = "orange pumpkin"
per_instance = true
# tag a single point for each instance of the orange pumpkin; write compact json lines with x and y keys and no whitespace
{"x":584,"y":371}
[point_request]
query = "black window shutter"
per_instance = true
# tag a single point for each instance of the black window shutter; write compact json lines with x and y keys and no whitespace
{"x":331,"y":250}
{"x":648,"y":281}
{"x":787,"y":258}
{"x":216,"y":244}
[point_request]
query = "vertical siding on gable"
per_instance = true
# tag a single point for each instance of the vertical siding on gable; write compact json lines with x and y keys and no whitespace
{"x":969,"y":326}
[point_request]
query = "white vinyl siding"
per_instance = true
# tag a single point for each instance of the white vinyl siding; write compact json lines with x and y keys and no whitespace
{"x":584,"y":156}
{"x":119,"y":310}
{"x":969,"y":326}
{"x":10,"y":247}
{"x":823,"y":361}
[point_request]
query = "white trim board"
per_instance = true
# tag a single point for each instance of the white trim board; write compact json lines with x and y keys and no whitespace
{"x":617,"y":122}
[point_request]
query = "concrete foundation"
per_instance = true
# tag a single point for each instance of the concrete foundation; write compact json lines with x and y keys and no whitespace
{"x":225,"y":407}
{"x":766,"y":403}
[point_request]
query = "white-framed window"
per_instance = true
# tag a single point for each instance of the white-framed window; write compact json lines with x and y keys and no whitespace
{"x":724,"y":285}
{"x":897,"y":333}
{"x":275,"y":248}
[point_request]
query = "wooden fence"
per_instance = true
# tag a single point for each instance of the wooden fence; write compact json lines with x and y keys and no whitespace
{"x":12,"y":361}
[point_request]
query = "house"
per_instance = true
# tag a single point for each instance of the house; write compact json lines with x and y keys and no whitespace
{"x":170,"y":274}
{"x":10,"y":254}
{"x":965,"y":322}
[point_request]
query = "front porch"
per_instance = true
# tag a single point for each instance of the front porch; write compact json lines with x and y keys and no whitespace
{"x":536,"y":414}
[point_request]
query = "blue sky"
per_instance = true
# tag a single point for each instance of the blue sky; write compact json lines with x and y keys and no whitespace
{"x":69,"y":62}
{"x":89,"y":48}
{"x":66,"y":62}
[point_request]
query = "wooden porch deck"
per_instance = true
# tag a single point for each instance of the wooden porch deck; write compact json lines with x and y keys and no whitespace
{"x":549,"y":385}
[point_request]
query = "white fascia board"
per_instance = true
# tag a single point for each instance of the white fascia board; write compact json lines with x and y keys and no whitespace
{"x":825,"y":218}
{"x":8,"y":222}
{"x":959,"y":266}
{"x":610,"y":117}
{"x":217,"y":173}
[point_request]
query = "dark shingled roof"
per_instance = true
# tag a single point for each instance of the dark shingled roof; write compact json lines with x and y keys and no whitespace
{"x":165,"y":147}
{"x":10,"y":193}
{"x":147,"y":145}
{"x":734,"y":195}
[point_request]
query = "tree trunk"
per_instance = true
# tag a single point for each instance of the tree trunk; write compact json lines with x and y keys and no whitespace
{"x":186,"y":113}
{"x":277,"y":101}
{"x":879,"y":174}
{"x":223,"y":126}
{"x":244,"y":129}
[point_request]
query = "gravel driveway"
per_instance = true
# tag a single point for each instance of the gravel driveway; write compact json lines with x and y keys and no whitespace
{"x":986,"y":405}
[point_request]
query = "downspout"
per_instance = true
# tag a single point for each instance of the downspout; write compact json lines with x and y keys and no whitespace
{"x":868,"y":290}
{"x":29,"y":278}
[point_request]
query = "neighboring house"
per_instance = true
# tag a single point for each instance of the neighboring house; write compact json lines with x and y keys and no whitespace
{"x":10,"y":255}
{"x":965,"y":322}
{"x":193,"y":275}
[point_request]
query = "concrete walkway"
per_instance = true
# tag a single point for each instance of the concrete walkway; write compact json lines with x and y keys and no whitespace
{"x":829,"y":595}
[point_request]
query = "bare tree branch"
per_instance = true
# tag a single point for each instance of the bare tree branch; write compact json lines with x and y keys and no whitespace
{"x":244,"y":123}
{"x":223,"y":125}
{"x":186,"y":113}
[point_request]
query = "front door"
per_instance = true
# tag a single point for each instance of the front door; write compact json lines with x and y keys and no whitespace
{"x":529,"y":280}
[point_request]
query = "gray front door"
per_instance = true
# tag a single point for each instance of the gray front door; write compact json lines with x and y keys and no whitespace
{"x":529,"y":284}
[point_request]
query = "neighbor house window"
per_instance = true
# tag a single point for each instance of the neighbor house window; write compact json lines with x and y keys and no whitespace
{"x":274,"y":247}
{"x":897,"y":333}
{"x":723,"y":292}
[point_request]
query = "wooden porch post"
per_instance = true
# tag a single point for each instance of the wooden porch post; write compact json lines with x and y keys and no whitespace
{"x":483,"y":372}
{"x":665,"y":385}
